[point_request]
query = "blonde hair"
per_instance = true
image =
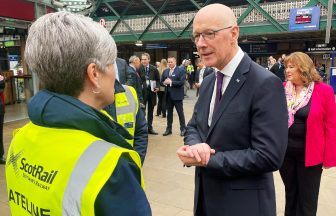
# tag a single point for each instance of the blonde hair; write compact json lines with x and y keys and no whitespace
{"x":163,"y":66}
{"x":308,"y":72}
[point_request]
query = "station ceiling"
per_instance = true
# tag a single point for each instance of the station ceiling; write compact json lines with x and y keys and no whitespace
{"x":140,"y":7}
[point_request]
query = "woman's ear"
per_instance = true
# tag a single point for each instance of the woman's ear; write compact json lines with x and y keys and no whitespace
{"x":93,"y":74}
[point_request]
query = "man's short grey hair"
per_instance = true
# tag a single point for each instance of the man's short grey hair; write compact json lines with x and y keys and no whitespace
{"x":61,"y":45}
{"x":132,"y":58}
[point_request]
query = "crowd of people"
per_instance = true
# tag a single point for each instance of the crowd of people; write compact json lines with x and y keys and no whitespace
{"x":89,"y":125}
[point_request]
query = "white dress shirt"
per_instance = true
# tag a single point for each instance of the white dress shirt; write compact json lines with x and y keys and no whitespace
{"x":228,"y":71}
{"x":200,"y":79}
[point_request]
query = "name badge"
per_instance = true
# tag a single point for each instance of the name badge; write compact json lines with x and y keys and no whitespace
{"x":128,"y":125}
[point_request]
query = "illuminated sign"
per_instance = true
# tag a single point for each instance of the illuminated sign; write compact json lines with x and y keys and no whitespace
{"x":299,"y":19}
{"x":302,"y":19}
{"x":9,"y":43}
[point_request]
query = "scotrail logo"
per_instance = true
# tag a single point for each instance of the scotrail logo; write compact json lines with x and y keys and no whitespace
{"x":13,"y":158}
{"x":35,"y":173}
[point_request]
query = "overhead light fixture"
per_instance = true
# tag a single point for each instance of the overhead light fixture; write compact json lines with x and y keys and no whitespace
{"x":58,"y":4}
{"x":138,"y":43}
{"x":264,"y":38}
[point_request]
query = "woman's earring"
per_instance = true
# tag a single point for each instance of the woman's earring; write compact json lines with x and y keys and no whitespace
{"x":96,"y":92}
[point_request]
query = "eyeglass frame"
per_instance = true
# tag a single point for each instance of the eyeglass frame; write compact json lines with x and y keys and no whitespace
{"x":212,"y":35}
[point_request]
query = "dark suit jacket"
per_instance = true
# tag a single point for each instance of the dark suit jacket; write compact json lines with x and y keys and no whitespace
{"x":153,"y":75}
{"x":140,"y":133}
{"x":207,"y":71}
{"x":278,"y":70}
{"x":133,"y":79}
{"x":249,"y":134}
{"x":2,"y":101}
{"x":122,"y":70}
{"x":178,"y":77}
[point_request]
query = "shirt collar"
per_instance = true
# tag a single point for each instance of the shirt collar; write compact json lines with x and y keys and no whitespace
{"x":132,"y":67}
{"x":231,"y":67}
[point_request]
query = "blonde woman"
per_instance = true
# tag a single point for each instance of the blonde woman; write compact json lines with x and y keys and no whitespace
{"x":161,"y":108}
{"x":311,"y":134}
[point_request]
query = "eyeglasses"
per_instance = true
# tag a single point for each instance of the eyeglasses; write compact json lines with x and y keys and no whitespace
{"x":207,"y":35}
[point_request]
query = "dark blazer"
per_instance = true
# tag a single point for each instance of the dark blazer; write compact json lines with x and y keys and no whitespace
{"x":2,"y":101}
{"x":133,"y":79}
{"x":178,"y":77}
{"x":153,"y":75}
{"x":140,"y":133}
{"x":278,"y":70}
{"x":207,"y":71}
{"x":122,"y":70}
{"x":249,"y":134}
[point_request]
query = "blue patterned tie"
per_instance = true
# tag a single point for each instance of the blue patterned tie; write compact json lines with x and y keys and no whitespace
{"x":219,"y":82}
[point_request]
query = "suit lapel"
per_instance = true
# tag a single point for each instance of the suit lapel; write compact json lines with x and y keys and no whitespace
{"x":236,"y":82}
{"x":174,"y":72}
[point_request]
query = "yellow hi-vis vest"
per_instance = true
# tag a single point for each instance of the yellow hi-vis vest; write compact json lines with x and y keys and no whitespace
{"x":57,"y":172}
{"x":126,"y":109}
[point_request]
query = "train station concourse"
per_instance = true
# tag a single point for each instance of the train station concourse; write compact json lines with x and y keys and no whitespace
{"x":163,"y":29}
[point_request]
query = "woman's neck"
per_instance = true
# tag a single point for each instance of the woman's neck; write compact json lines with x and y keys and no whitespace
{"x":298,"y":89}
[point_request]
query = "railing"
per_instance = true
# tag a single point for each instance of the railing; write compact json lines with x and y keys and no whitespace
{"x":278,"y":10}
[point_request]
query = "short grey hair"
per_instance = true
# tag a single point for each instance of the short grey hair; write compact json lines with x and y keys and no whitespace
{"x":61,"y":45}
{"x":132,"y":58}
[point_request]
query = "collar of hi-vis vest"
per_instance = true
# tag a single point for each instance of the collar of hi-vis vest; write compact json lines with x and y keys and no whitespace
{"x":54,"y":110}
{"x":118,"y":88}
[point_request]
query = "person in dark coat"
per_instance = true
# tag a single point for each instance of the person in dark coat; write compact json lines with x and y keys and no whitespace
{"x":201,"y":73}
{"x":2,"y":114}
{"x":173,"y":78}
{"x":151,"y":82}
{"x":234,"y":139}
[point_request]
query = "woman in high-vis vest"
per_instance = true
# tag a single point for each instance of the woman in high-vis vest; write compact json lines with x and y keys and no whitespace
{"x":126,"y":111}
{"x":71,"y":159}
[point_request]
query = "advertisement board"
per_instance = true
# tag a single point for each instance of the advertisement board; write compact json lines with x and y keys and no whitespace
{"x":303,"y":19}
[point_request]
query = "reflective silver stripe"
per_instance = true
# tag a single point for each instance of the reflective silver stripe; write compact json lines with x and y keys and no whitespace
{"x":80,"y":176}
{"x":131,"y":108}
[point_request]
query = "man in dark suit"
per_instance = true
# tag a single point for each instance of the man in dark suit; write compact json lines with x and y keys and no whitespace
{"x":201,"y":73}
{"x":2,"y":114}
{"x":277,"y":69}
{"x":151,"y":82}
{"x":238,"y":132}
{"x":173,"y":78}
{"x":133,"y":78}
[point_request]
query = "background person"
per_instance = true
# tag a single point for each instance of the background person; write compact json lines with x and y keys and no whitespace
{"x":201,"y":73}
{"x":133,"y":79}
{"x":173,"y":78}
{"x":2,"y":115}
{"x":311,"y":136}
{"x":126,"y":111}
{"x":149,"y":74}
{"x":89,"y":167}
{"x":161,"y":107}
{"x":121,"y":70}
{"x":233,"y":139}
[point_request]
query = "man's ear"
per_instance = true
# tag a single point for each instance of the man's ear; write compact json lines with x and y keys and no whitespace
{"x":235,"y":33}
{"x":93,"y":74}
